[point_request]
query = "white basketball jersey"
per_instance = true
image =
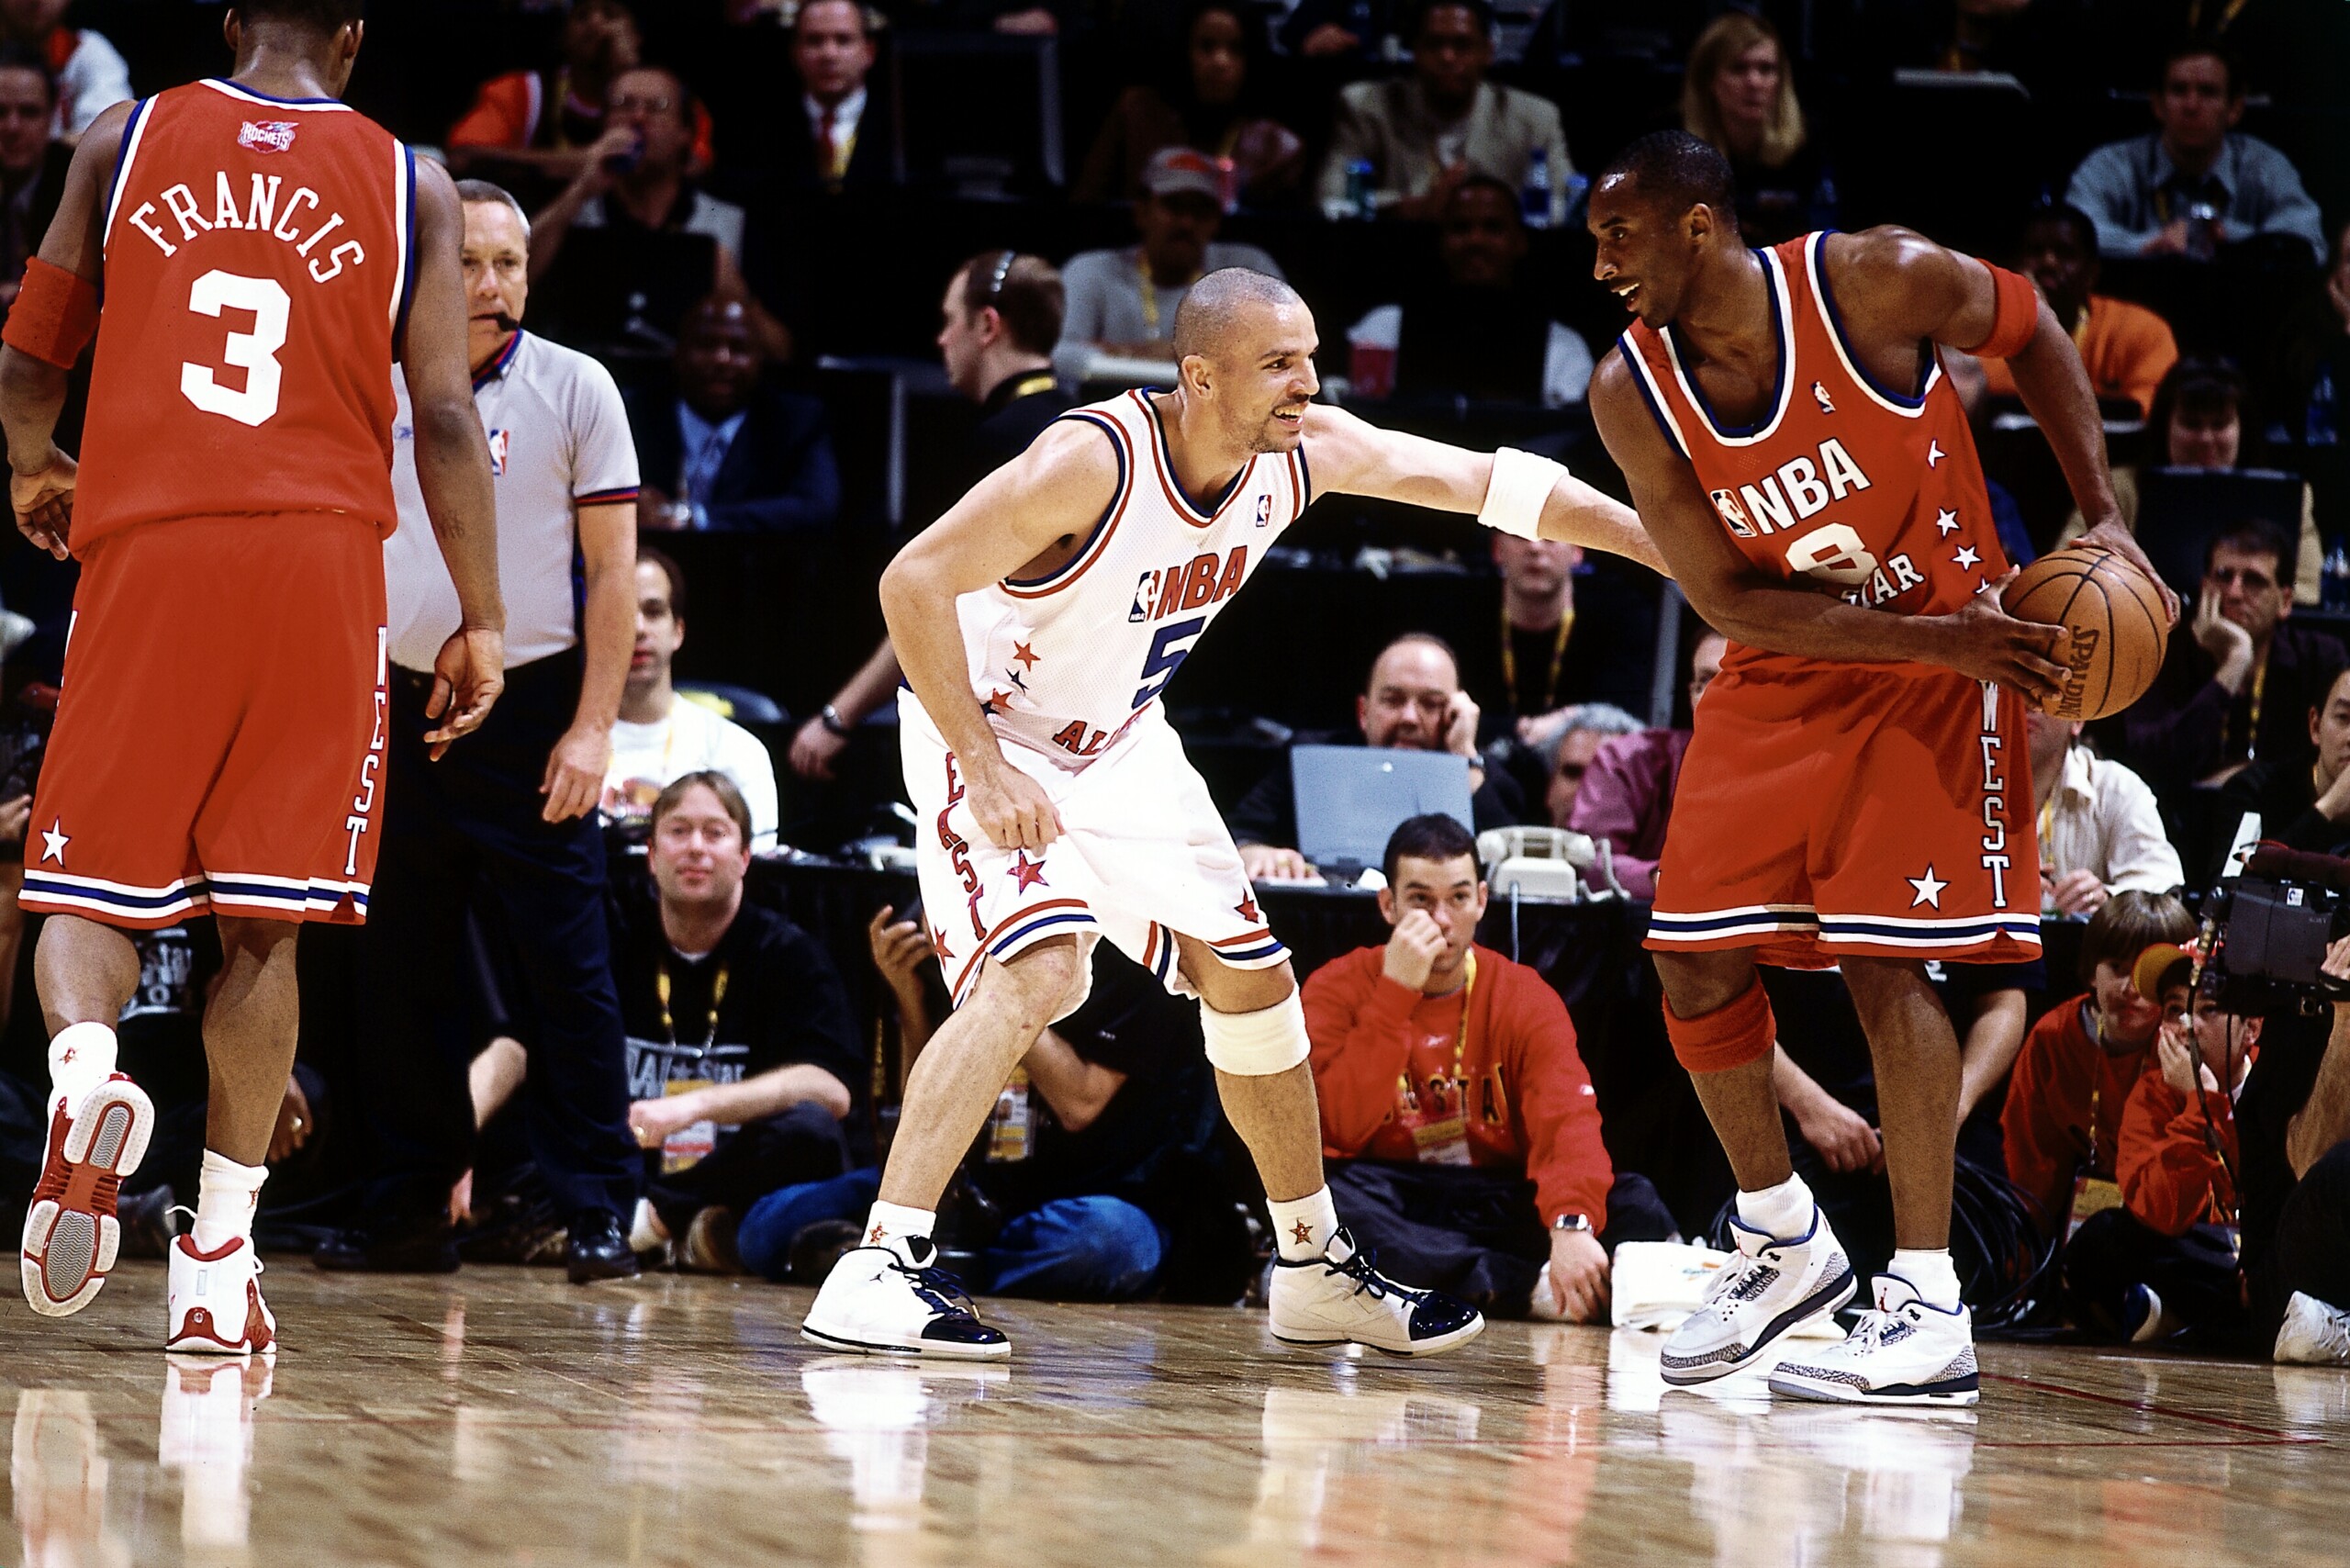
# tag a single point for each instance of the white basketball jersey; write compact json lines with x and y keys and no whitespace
{"x":1067,"y":663}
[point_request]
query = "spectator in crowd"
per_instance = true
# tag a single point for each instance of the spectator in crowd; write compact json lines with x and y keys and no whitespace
{"x":1340,"y":31}
{"x":1425,"y":133}
{"x":543,"y":127}
{"x":1738,"y":95}
{"x":1412,"y":701}
{"x":840,"y":139}
{"x":2197,"y":182}
{"x":1212,"y":104}
{"x":632,"y":242}
{"x":514,"y":807}
{"x":1076,"y":1189}
{"x":2062,"y":1119}
{"x":2164,"y":1261}
{"x":2127,"y":348}
{"x":2303,"y":807}
{"x":724,"y":451}
{"x":1448,"y":1079}
{"x":1566,"y":742}
{"x":741,"y":1051}
{"x":2203,"y":418}
{"x":32,"y":166}
{"x":1479,"y":330}
{"x":2310,"y":382}
{"x":2293,"y":1124}
{"x":998,"y":324}
{"x":2100,"y":832}
{"x":1123,"y":302}
{"x":660,"y":736}
{"x":2241,"y":684}
{"x":1627,"y":798}
{"x":90,"y":73}
{"x":1561,"y":641}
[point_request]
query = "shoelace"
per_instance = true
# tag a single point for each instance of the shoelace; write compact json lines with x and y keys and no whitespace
{"x":939,"y":1288}
{"x":1740,"y":1281}
{"x":1873,"y":1324}
{"x":1362,"y":1268}
{"x":2335,"y":1335}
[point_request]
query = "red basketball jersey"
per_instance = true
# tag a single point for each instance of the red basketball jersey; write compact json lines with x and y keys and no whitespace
{"x":1864,"y":486}
{"x":259,"y":254}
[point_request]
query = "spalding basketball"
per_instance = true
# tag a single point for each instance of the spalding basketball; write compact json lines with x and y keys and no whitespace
{"x":2113,"y":622}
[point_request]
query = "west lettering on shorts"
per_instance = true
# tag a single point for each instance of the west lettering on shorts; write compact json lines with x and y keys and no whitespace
{"x":1994,"y":804}
{"x":363,"y":804}
{"x":958,"y":851}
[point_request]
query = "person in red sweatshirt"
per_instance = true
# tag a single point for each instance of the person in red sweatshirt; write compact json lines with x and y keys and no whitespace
{"x":2061,"y":1124}
{"x":2166,"y":1260}
{"x":1448,"y":1080}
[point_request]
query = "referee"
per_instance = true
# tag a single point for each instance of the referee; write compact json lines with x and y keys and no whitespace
{"x":511,"y":812}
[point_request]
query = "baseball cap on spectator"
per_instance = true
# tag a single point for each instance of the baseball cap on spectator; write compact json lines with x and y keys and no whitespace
{"x":1175,"y":171}
{"x":2153,"y":973}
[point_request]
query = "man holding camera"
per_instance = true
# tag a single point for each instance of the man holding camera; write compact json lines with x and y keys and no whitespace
{"x":2293,"y":1121}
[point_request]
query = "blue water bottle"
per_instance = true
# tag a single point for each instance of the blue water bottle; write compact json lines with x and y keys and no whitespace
{"x":2322,"y":423}
{"x":2333,"y":580}
{"x":1534,"y":197}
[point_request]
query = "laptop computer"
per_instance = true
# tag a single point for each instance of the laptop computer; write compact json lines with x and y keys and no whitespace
{"x":2180,"y":508}
{"x":1351,"y":798}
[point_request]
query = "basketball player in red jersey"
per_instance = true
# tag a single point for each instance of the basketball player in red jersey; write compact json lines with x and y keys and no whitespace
{"x":267,"y":254}
{"x":1857,"y":792}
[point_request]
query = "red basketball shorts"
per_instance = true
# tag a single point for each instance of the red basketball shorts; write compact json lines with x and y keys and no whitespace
{"x":219,"y":744}
{"x":1852,"y":812}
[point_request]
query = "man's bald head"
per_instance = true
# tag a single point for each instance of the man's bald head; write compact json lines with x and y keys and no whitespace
{"x":1205,"y":321}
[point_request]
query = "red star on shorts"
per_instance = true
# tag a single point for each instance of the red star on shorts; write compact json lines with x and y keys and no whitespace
{"x":1302,"y":1232}
{"x":1247,"y":908}
{"x":997,"y":702}
{"x":1024,"y":655}
{"x":1029,"y":873}
{"x":938,"y":941}
{"x":874,"y":1238}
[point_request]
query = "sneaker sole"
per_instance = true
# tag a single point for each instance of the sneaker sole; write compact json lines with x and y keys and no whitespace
{"x":1434,"y":1346}
{"x":1829,"y":1298}
{"x":930,"y":1350}
{"x":69,"y":1248}
{"x":1793,"y":1383}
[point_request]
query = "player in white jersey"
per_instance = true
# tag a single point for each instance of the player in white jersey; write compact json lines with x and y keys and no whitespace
{"x":1038,"y":623}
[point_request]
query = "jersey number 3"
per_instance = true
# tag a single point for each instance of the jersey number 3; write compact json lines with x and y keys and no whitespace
{"x":254,"y":353}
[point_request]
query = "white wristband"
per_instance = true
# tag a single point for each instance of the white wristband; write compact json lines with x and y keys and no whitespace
{"x":1513,"y":497}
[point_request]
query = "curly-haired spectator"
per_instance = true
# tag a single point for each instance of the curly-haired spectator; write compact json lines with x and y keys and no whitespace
{"x":1212,"y":104}
{"x":1566,"y":741}
{"x":90,"y":73}
{"x":1424,"y":133}
{"x":1738,"y":95}
{"x":1448,"y":1079}
{"x":1627,"y":796}
{"x":2195,"y":182}
{"x":2127,"y":348}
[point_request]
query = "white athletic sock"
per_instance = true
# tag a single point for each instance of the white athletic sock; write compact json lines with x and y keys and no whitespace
{"x":889,"y":1221}
{"x":1932,"y":1275}
{"x":1303,"y":1227}
{"x":225,"y":1197}
{"x":80,"y":1059}
{"x":1782,"y":1213}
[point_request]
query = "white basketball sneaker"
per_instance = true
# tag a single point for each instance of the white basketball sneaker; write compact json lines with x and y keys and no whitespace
{"x":890,"y":1297}
{"x":1768,"y":1286}
{"x":216,"y":1305}
{"x":1904,"y":1352}
{"x":2313,"y":1334}
{"x":1338,"y":1298}
{"x":71,"y":1232}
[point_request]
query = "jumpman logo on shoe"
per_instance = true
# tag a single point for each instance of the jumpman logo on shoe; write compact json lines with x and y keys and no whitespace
{"x":1302,"y":1232}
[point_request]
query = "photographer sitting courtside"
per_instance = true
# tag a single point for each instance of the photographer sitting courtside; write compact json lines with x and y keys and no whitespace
{"x":2293,"y":1121}
{"x":1449,"y":1077}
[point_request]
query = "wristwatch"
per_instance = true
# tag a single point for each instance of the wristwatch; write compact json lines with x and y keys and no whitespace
{"x":1573,"y":1222}
{"x":833,"y":721}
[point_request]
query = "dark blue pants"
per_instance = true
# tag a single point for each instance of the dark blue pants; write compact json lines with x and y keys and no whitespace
{"x":471,"y":821}
{"x":1088,"y":1249}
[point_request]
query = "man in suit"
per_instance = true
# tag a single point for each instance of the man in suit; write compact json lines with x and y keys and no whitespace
{"x":841,"y":139}
{"x":1423,"y":134}
{"x":723,"y":452}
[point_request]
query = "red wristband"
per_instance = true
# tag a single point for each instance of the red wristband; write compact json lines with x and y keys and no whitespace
{"x":54,"y":317}
{"x":2016,"y":318}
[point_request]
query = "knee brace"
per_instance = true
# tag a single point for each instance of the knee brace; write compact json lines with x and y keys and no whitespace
{"x":1729,"y":1037}
{"x":1259,"y":1043}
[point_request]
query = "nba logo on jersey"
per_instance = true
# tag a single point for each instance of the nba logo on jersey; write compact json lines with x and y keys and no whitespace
{"x":267,"y":136}
{"x":497,"y":454}
{"x":1733,"y":514}
{"x":1264,"y":511}
{"x":1821,"y":393}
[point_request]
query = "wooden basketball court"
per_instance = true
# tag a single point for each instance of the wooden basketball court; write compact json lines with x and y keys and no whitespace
{"x":501,"y":1417}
